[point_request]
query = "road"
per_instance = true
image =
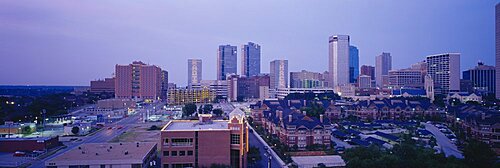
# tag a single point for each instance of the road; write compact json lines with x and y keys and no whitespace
{"x":104,"y":135}
{"x":444,"y":142}
{"x":263,"y":163}
{"x":340,"y":142}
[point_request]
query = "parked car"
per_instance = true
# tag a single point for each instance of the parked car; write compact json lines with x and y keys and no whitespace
{"x":19,"y":154}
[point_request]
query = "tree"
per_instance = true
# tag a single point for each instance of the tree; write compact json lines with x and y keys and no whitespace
{"x":479,"y":154}
{"x":188,"y":109}
{"x":27,"y":130}
{"x":75,"y":130}
{"x":218,"y":112}
{"x":253,"y":155}
{"x":207,"y":108}
{"x":314,"y":110}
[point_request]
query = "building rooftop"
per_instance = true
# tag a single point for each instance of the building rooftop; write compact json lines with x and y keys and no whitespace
{"x":106,"y":153}
{"x":313,"y":161}
{"x":193,"y":125}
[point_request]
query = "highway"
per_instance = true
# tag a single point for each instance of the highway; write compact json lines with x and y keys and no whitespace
{"x":104,"y":135}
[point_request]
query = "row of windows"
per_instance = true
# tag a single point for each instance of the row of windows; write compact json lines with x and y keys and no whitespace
{"x":179,"y":141}
{"x":178,"y":153}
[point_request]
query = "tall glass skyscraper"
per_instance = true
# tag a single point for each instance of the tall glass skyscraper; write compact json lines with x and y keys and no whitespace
{"x":338,"y":63}
{"x":497,"y":50}
{"x":353,"y":64}
{"x":250,"y":59}
{"x":226,"y":61}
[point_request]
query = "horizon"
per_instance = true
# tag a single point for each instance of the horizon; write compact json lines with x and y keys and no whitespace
{"x":69,"y":44}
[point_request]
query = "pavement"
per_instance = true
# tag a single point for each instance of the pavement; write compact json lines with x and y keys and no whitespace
{"x":104,"y":135}
{"x":448,"y":148}
{"x":340,"y":142}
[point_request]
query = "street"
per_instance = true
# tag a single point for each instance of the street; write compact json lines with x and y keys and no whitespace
{"x":443,"y":142}
{"x":254,"y":142}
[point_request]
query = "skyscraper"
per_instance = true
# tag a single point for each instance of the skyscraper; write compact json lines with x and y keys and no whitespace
{"x":338,"y":63}
{"x":226,"y":61}
{"x":445,"y":72}
{"x":194,"y":71}
{"x":250,"y":59}
{"x":164,"y":85}
{"x":482,"y":78}
{"x":138,"y":81}
{"x":353,"y":64}
{"x":279,"y":74}
{"x":497,"y":50}
{"x":368,"y":71}
{"x":383,"y":63}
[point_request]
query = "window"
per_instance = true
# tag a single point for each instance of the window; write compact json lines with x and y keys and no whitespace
{"x":182,"y":142}
{"x":166,"y":141}
{"x":174,"y":153}
{"x":182,"y":165}
{"x":182,"y":153}
{"x":235,"y":139}
{"x":103,"y":166}
{"x":165,"y":165}
{"x":190,"y":153}
{"x":166,"y":153}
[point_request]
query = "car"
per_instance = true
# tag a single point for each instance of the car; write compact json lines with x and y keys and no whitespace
{"x":19,"y":154}
{"x":110,"y":128}
{"x":120,"y":127}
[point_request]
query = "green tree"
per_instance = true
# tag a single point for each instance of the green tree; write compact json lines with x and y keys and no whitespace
{"x":479,"y":154}
{"x":188,"y":109}
{"x":207,"y":108}
{"x":314,"y":110}
{"x":253,"y":155}
{"x":27,"y":130}
{"x":218,"y":112}
{"x":75,"y":130}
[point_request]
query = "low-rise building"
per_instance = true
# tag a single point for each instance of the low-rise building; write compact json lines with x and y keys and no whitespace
{"x":394,"y":109}
{"x":464,"y":97}
{"x":28,"y":144}
{"x":281,"y":93}
{"x":204,"y":142}
{"x":123,"y":154}
{"x":478,"y":122}
{"x":186,"y":95}
{"x":334,"y":161}
{"x":103,"y":86}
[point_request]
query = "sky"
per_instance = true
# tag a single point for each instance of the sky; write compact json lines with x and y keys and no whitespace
{"x":61,"y":42}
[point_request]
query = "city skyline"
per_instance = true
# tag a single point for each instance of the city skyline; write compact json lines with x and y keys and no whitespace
{"x":78,"y":41}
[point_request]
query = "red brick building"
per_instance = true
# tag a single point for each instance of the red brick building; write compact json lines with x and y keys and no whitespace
{"x":27,"y":144}
{"x":204,"y":142}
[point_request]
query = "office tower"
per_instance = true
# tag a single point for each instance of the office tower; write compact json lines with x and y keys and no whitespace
{"x":364,"y":81}
{"x":226,"y":61}
{"x":138,"y":81}
{"x":164,"y":85}
{"x":306,"y":79}
{"x":242,"y":88}
{"x":353,"y":64}
{"x":445,"y":72}
{"x":194,"y":71}
{"x":205,"y":142}
{"x":368,"y":71}
{"x":405,"y":78}
{"x":497,"y":50}
{"x":383,"y":63}
{"x":482,"y":78}
{"x":338,"y":62}
{"x":279,"y":74}
{"x":250,"y":59}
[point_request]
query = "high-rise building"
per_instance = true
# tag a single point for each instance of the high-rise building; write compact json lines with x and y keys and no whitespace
{"x":405,"y":78}
{"x":204,"y":142}
{"x":482,"y":78}
{"x":497,"y":50}
{"x":383,"y":63}
{"x":338,"y":63}
{"x":364,"y":81}
{"x":429,"y":87}
{"x":445,"y":72}
{"x":368,"y":71}
{"x":226,"y":61}
{"x":164,"y":85}
{"x":194,"y":71}
{"x":250,"y":59}
{"x":279,"y":74}
{"x":306,"y":79}
{"x":353,"y":64}
{"x":138,"y":81}
{"x":241,"y":88}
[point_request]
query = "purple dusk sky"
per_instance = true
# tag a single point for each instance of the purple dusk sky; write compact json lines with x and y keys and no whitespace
{"x":72,"y":42}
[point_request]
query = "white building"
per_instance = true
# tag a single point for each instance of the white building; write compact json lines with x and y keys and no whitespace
{"x":464,"y":97}
{"x":364,"y":81}
{"x":279,"y":74}
{"x":405,"y":78}
{"x":194,"y":71}
{"x":281,"y":93}
{"x":338,"y":63}
{"x":445,"y":71}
